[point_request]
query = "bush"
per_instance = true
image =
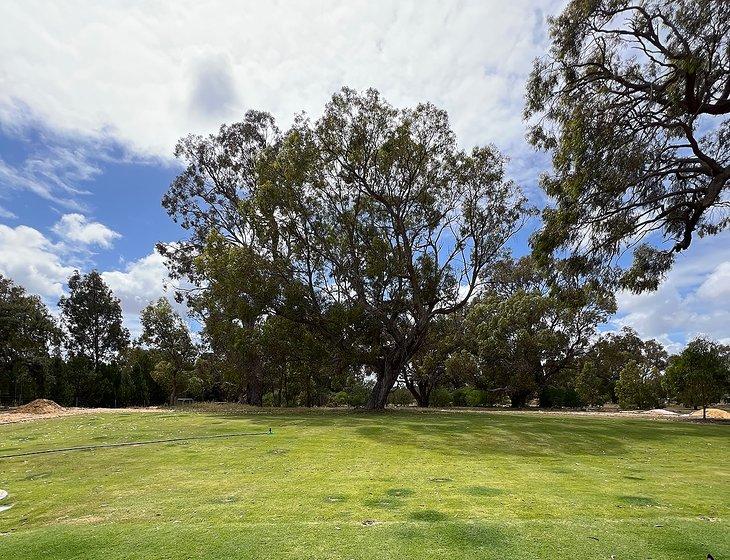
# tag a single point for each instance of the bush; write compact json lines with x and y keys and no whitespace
{"x":458,"y":397}
{"x":440,"y":397}
{"x":469,"y":396}
{"x":359,"y":394}
{"x":637,"y":389}
{"x":341,"y":398}
{"x":400,"y":397}
{"x":558,"y":397}
{"x":476,"y":397}
{"x":588,"y":386}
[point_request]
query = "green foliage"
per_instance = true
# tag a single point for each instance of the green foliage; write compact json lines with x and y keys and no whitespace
{"x":440,"y":396}
{"x":473,"y":397}
{"x":559,"y":397}
{"x":400,"y":396}
{"x":339,"y":224}
{"x":359,"y":395}
{"x":589,"y":386}
{"x":476,"y":397}
{"x":92,"y":319}
{"x":700,"y":374}
{"x":631,"y":100}
{"x":609,"y":355}
{"x":164,"y":331}
{"x":429,"y":368}
{"x":533,"y":326}
{"x":637,"y":388}
{"x":341,"y":398}
{"x":28,"y":334}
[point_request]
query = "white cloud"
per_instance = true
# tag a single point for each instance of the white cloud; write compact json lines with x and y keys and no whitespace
{"x":7,"y":214}
{"x":717,"y":285}
{"x":53,"y":173}
{"x":141,"y":282}
{"x":146,"y":75}
{"x":33,"y":261}
{"x":76,"y":227}
{"x":42,"y":267}
{"x":694,"y":299}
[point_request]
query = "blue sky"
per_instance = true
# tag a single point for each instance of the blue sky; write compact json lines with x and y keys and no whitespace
{"x":93,"y":97}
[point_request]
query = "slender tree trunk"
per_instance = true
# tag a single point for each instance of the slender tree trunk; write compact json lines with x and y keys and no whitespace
{"x":704,"y":412}
{"x":173,"y":393}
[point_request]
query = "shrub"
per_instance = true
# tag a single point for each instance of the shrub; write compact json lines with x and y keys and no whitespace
{"x":342,"y":398}
{"x":358,"y":395}
{"x":558,"y":397}
{"x":400,"y":397}
{"x":476,"y":397}
{"x":470,"y":396}
{"x":458,"y":397}
{"x":440,"y":396}
{"x":636,"y":389}
{"x":588,"y":386}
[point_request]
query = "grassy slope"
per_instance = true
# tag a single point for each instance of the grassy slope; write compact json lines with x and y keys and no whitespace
{"x":438,"y":486}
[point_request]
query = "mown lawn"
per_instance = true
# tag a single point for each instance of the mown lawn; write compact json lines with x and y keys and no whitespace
{"x":356,"y":486}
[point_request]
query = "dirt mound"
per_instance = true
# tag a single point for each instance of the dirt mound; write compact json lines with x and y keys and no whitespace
{"x":714,"y":413}
{"x":661,"y":412}
{"x":39,"y":406}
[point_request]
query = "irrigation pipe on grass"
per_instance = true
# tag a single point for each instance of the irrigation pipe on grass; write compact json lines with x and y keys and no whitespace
{"x":132,"y":443}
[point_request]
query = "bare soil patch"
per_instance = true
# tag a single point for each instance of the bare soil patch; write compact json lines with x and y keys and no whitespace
{"x":712,"y":413}
{"x":38,"y":406}
{"x":27,"y":413}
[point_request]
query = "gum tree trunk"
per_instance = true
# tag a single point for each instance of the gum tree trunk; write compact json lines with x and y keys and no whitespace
{"x":386,"y":379}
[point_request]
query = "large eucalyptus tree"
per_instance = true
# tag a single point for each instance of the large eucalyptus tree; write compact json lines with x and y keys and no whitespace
{"x":369,"y":222}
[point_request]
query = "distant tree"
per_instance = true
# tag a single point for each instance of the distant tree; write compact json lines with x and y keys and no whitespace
{"x":638,"y":388}
{"x":588,"y":385}
{"x":138,"y":384}
{"x":532,"y":327}
{"x":632,"y":101}
{"x":389,"y":220}
{"x":27,"y":335}
{"x":92,"y":318}
{"x":612,"y":351}
{"x":371,"y":222}
{"x":164,"y":331}
{"x":700,"y":374}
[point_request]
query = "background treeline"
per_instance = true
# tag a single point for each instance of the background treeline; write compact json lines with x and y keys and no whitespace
{"x":513,"y":344}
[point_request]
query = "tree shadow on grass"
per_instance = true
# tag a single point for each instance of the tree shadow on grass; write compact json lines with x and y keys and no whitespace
{"x":465,"y":433}
{"x":455,"y":535}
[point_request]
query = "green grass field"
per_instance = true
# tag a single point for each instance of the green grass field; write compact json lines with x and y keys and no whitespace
{"x":355,"y":486}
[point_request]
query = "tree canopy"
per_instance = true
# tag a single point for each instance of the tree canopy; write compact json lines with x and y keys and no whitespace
{"x":165,"y":332}
{"x":532,"y":325}
{"x":92,"y":318}
{"x":28,"y":332}
{"x":369,"y":222}
{"x":632,"y":100}
{"x":700,"y":374}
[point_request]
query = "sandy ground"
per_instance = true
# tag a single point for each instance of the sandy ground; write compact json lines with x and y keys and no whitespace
{"x":10,"y":416}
